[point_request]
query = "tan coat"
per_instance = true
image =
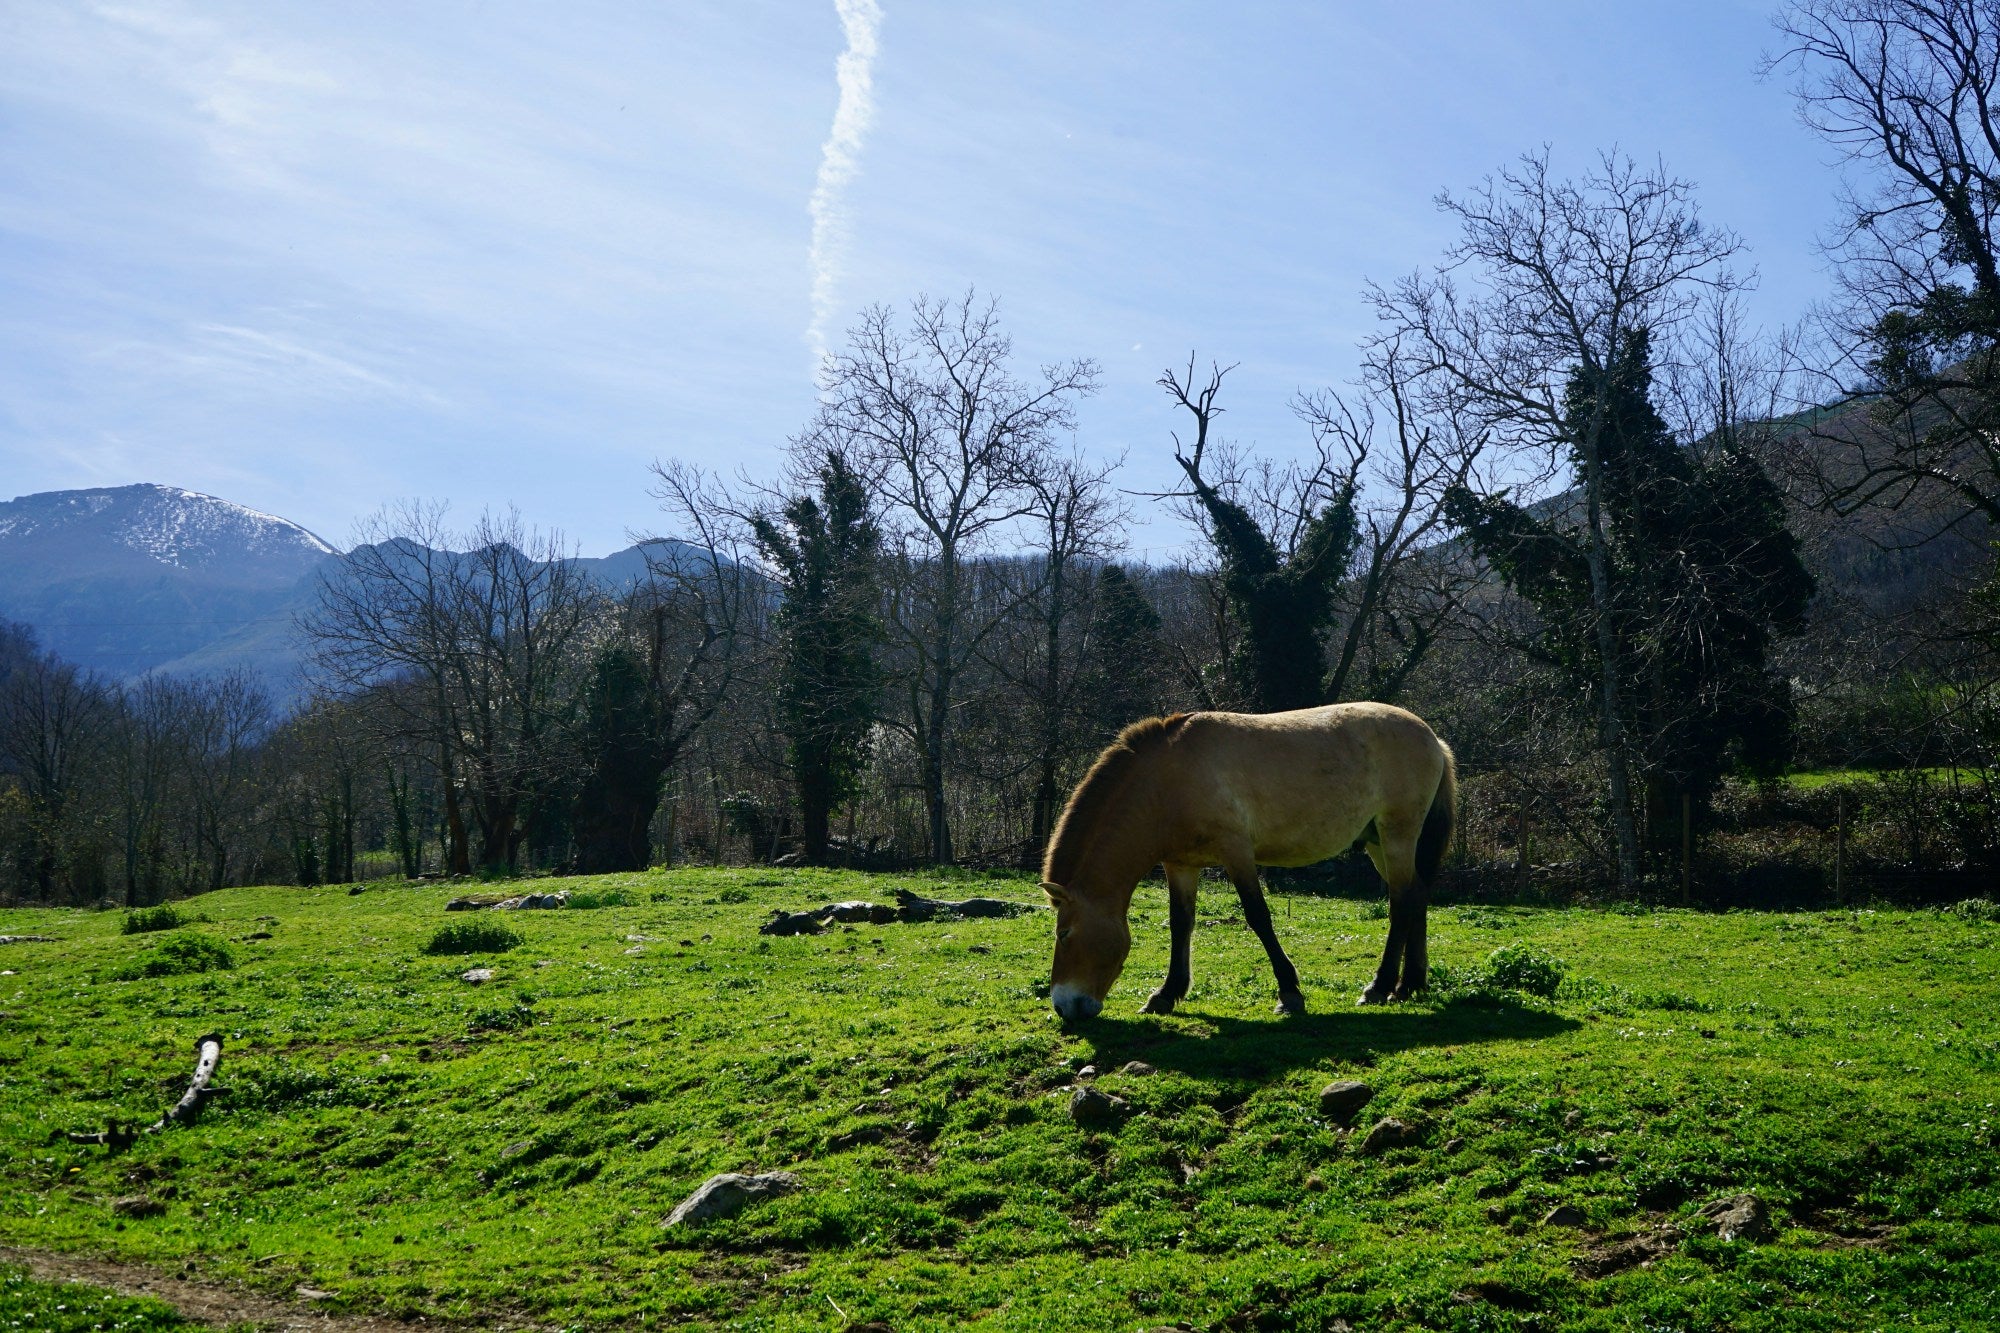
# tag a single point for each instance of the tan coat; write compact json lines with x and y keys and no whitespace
{"x":1239,"y":790}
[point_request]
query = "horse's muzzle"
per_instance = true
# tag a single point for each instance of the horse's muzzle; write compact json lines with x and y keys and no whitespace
{"x":1074,"y":1005}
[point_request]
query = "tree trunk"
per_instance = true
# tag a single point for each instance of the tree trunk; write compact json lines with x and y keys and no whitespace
{"x":1610,"y":713}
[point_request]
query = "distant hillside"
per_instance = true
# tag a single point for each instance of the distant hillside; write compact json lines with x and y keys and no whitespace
{"x":128,"y":580}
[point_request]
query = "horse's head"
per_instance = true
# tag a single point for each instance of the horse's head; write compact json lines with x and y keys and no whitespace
{"x":1092,"y":941}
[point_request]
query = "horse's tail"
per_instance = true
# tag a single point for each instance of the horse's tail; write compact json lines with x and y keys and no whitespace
{"x":1440,"y":823}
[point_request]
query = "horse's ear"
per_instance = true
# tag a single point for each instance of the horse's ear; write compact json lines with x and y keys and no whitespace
{"x":1058,"y":895}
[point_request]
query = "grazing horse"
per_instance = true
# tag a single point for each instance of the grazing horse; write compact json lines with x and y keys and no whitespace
{"x":1239,"y":790}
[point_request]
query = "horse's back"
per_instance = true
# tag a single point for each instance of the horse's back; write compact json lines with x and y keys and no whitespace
{"x":1301,"y":786}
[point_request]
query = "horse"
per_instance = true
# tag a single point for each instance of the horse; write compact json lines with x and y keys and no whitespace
{"x":1239,"y":790}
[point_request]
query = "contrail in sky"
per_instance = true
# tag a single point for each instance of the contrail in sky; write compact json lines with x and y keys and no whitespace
{"x":840,"y":161}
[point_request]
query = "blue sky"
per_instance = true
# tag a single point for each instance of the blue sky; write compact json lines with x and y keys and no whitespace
{"x":314,"y":257}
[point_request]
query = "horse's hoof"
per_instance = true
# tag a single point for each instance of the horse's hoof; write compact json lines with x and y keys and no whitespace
{"x":1372,"y":996}
{"x":1291,"y":1002}
{"x":1402,"y":993}
{"x":1159,"y":1002}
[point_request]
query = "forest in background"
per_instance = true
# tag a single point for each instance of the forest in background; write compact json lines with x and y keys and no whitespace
{"x":1704,"y":614}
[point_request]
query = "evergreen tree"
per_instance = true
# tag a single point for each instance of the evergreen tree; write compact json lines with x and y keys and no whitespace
{"x":1705,"y":576}
{"x":623,"y":732}
{"x":825,"y":552}
{"x":1122,"y":676}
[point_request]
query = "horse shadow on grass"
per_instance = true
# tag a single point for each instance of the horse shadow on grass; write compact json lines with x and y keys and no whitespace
{"x":1228,"y":1046}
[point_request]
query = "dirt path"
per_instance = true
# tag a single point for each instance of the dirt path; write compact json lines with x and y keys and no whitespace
{"x":215,"y":1303}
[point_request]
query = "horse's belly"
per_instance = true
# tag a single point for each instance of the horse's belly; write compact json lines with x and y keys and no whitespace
{"x":1310,"y":839}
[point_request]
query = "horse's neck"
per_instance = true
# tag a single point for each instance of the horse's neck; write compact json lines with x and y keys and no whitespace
{"x":1125,"y":847}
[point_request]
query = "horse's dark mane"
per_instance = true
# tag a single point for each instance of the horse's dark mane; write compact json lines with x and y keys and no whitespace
{"x":1081,"y":818}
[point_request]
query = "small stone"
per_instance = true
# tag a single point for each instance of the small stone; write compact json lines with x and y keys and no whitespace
{"x":1565,"y":1215}
{"x":1088,"y":1071}
{"x":514,"y":1149}
{"x":137,"y":1205}
{"x":1454,"y":1146}
{"x":1387,"y":1134}
{"x":1095,"y":1110}
{"x":641,"y":939}
{"x":980,"y":948}
{"x":313,"y":1294}
{"x":1572,"y":1119}
{"x":477,"y":976}
{"x":1742,"y":1217}
{"x":635,"y":949}
{"x":1137,"y":1068}
{"x":728,"y":1194}
{"x":1341,"y":1101}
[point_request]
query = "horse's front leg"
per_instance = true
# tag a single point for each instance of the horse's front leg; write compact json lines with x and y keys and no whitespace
{"x":1182,"y":882}
{"x":1257,"y":915}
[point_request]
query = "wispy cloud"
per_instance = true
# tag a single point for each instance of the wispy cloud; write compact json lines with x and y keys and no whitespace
{"x":840,"y":161}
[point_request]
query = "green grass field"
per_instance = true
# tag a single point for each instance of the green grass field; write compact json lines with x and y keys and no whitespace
{"x":416,"y":1145}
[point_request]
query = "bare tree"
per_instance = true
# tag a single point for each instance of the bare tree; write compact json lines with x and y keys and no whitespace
{"x":1533,"y":304}
{"x":52,"y":728}
{"x":224,"y":719}
{"x":1075,"y":521}
{"x":1406,"y":461}
{"x":947,"y":436}
{"x":674,"y":649}
{"x":1909,"y":92}
{"x":489,"y":623}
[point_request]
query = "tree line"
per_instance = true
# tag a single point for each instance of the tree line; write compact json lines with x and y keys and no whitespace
{"x":1617,"y":549}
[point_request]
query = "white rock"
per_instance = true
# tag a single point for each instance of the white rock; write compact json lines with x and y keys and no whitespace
{"x":728,"y":1194}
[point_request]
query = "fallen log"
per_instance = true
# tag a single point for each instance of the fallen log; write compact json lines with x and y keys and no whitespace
{"x":208,"y":1055}
{"x":915,"y":907}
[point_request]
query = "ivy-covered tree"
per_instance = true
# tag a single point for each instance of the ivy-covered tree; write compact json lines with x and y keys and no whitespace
{"x":1704,"y":577}
{"x":1282,"y":599}
{"x":825,"y":553}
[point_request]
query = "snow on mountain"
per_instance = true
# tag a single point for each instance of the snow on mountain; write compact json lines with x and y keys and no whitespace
{"x":128,"y":580}
{"x":166,"y":525}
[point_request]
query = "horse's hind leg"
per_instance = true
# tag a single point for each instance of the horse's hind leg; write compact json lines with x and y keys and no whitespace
{"x":1405,"y":967}
{"x":1182,"y":882}
{"x":1257,"y":915}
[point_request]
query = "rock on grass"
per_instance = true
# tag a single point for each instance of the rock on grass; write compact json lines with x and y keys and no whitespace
{"x":728,"y":1194}
{"x":1340,"y":1101}
{"x":1097,"y":1110}
{"x":1387,"y":1134}
{"x":1741,"y":1217}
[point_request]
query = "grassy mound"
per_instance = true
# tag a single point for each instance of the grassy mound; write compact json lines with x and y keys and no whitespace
{"x":474,"y":937}
{"x":422,"y":1147}
{"x":178,"y":955}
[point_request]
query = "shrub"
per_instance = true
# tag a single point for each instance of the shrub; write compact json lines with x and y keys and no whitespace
{"x":1523,"y":967}
{"x":178,"y":955}
{"x":474,"y":937}
{"x":1976,"y":909}
{"x":501,"y":1018}
{"x":600,"y":898}
{"x":148,"y":919}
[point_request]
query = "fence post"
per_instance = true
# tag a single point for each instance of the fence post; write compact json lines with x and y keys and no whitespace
{"x":1687,"y":849}
{"x":1840,"y":846}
